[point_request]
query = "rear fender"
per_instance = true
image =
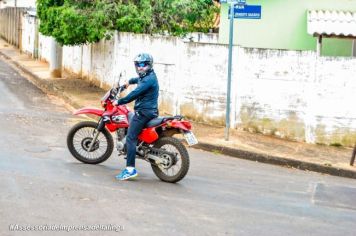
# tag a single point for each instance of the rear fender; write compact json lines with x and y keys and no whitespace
{"x":92,"y":111}
{"x":181,"y":125}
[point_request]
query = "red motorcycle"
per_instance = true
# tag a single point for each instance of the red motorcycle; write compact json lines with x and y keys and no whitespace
{"x":92,"y":142}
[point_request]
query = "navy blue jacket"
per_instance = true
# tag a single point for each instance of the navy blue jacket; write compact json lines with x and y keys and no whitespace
{"x":145,"y":94}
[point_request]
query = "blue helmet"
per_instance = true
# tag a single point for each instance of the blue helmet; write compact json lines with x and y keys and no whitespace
{"x":145,"y":61}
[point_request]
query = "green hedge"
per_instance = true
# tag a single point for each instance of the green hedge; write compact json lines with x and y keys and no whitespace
{"x":73,"y":22}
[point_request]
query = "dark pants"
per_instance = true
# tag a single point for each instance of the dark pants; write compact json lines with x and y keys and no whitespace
{"x":138,"y":122}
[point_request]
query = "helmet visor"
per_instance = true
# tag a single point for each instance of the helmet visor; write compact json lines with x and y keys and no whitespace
{"x":141,"y":64}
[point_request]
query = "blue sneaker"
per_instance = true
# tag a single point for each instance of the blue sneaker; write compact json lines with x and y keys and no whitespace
{"x":125,"y":174}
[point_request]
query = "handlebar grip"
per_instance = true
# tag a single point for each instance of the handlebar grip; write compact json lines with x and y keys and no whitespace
{"x":122,"y":88}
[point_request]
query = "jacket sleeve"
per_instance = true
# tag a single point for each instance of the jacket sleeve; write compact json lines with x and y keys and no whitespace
{"x":144,"y":86}
{"x":133,"y":81}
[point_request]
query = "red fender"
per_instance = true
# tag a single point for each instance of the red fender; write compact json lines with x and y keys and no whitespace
{"x":183,"y":125}
{"x":87,"y":110}
{"x":148,"y":135}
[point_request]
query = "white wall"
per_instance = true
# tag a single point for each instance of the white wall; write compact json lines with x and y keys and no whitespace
{"x":28,"y":34}
{"x":198,"y":37}
{"x":290,"y":94}
{"x":19,"y":3}
{"x":44,"y":47}
{"x":28,"y":39}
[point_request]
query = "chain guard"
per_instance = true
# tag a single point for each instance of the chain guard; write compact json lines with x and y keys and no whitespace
{"x":169,"y":158}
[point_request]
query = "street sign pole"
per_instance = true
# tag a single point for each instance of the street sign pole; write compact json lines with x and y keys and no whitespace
{"x":228,"y":102}
{"x":242,"y":11}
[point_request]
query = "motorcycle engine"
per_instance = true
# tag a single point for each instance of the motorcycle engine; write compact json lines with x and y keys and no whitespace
{"x":121,"y":140}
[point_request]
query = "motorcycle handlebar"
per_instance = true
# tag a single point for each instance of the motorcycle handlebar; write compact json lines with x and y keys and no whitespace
{"x":115,"y":91}
{"x":121,"y":88}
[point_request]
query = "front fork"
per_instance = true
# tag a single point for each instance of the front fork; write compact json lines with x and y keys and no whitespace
{"x":101,"y":125}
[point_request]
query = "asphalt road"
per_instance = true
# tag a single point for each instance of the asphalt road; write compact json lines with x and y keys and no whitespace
{"x":42,"y":185}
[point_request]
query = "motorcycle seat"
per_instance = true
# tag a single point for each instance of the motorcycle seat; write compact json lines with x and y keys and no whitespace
{"x":159,"y":120}
{"x":154,"y":122}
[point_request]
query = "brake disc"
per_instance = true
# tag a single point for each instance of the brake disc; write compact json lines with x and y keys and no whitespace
{"x":86,"y":144}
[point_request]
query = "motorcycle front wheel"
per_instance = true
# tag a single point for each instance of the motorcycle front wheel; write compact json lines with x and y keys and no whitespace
{"x":79,"y":141}
{"x":176,"y":170}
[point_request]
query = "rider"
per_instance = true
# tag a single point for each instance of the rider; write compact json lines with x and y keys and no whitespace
{"x":146,"y":108}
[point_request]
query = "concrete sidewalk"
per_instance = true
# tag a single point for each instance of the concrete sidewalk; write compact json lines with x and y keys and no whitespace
{"x":79,"y":93}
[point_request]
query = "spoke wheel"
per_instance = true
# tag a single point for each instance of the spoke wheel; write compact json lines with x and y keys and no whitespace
{"x":173,"y":168}
{"x":79,"y":141}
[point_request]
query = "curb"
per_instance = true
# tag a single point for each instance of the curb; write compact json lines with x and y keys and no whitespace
{"x":275,"y":160}
{"x":48,"y":87}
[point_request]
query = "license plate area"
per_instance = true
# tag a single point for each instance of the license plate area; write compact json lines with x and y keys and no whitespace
{"x":190,"y":138}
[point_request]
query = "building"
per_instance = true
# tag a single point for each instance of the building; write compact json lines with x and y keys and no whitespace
{"x":17,"y":3}
{"x":296,"y":25}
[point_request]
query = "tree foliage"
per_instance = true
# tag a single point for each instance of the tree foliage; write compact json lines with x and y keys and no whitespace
{"x":73,"y":22}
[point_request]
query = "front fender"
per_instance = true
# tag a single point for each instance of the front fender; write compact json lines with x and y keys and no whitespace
{"x":87,"y":110}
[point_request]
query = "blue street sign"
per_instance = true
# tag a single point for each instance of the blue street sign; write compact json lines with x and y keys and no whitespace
{"x":247,"y":11}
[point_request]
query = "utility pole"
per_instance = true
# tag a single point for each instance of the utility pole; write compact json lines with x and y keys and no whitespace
{"x":228,"y":102}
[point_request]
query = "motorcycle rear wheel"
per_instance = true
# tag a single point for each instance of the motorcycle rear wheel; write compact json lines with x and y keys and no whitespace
{"x":183,"y":158}
{"x":79,"y":139}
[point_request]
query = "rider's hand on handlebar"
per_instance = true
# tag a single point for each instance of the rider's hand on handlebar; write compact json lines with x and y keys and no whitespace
{"x":123,"y":87}
{"x":126,"y":84}
{"x":114,"y":103}
{"x":119,"y":90}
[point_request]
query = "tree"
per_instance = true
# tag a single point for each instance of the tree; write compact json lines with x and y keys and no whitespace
{"x":73,"y":22}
